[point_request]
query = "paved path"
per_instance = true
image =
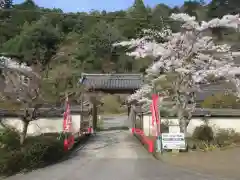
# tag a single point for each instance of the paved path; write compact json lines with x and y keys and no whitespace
{"x":110,"y":121}
{"x":112,"y":155}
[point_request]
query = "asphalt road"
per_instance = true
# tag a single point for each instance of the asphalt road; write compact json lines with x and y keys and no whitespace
{"x":112,"y":155}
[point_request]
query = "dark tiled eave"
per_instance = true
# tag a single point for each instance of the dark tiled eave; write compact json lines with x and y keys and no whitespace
{"x":45,"y":112}
{"x":112,"y":81}
{"x":211,"y":113}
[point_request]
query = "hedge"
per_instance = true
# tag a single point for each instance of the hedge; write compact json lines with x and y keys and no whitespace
{"x":37,"y":151}
{"x":204,"y":139}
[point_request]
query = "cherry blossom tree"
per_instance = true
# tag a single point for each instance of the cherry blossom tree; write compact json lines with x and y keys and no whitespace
{"x":20,"y":89}
{"x":25,"y":93}
{"x":185,"y":60}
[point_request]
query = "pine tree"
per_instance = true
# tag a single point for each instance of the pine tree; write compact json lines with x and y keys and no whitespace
{"x":218,"y":8}
{"x":139,"y":5}
{"x":138,"y":9}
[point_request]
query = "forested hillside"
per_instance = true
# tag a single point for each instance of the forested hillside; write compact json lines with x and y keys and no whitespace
{"x":83,"y":41}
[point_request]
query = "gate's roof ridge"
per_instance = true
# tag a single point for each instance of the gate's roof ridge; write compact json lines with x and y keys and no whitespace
{"x":106,"y":74}
{"x":120,"y":81}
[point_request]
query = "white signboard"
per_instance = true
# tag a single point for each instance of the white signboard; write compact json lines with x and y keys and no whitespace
{"x":173,"y":141}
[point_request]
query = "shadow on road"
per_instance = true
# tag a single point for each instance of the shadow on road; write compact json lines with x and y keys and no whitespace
{"x":114,"y":128}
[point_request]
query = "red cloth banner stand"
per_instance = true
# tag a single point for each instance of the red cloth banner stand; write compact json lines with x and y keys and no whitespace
{"x":90,"y":130}
{"x":155,"y":117}
{"x":144,"y":139}
{"x":65,"y":144}
{"x":67,"y":127}
{"x":155,"y":125}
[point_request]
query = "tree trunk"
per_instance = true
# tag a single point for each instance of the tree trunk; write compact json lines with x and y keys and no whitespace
{"x":23,"y":134}
{"x":128,"y":109}
{"x":183,"y":126}
{"x":182,"y":121}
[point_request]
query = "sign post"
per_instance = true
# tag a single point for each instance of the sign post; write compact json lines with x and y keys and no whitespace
{"x":173,"y":141}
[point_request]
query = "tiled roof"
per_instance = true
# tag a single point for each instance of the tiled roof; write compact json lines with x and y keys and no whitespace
{"x":45,"y":112}
{"x":211,"y":89}
{"x":112,"y":81}
{"x":217,"y":112}
{"x":199,"y":112}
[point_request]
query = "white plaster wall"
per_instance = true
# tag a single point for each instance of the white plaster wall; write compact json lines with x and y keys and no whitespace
{"x":44,"y":125}
{"x":147,"y":128}
{"x":216,"y":123}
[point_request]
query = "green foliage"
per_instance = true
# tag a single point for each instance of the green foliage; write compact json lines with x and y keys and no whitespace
{"x":37,"y":151}
{"x":221,"y":100}
{"x":95,"y":48}
{"x":42,"y":151}
{"x":111,"y":104}
{"x":226,"y":137}
{"x":43,"y":37}
{"x":36,"y":42}
{"x":204,"y":139}
{"x":11,"y":162}
{"x":138,"y":9}
{"x":9,"y":139}
{"x":218,"y":8}
{"x":190,"y":7}
{"x":203,"y":133}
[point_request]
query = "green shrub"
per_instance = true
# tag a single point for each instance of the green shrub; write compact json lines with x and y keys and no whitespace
{"x":36,"y":152}
{"x":203,"y":138}
{"x":203,"y":133}
{"x":236,"y":138}
{"x":11,"y":162}
{"x":226,"y":137}
{"x":191,"y":143}
{"x":39,"y":151}
{"x":196,"y":144}
{"x":10,"y":139}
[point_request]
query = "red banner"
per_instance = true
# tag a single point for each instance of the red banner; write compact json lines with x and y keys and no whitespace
{"x":144,"y":139}
{"x":155,"y":107}
{"x":155,"y":114}
{"x":67,"y":127}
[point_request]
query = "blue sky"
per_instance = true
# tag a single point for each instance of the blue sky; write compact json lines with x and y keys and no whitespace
{"x":88,"y":5}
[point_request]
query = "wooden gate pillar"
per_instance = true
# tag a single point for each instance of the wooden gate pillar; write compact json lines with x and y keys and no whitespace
{"x":132,"y":117}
